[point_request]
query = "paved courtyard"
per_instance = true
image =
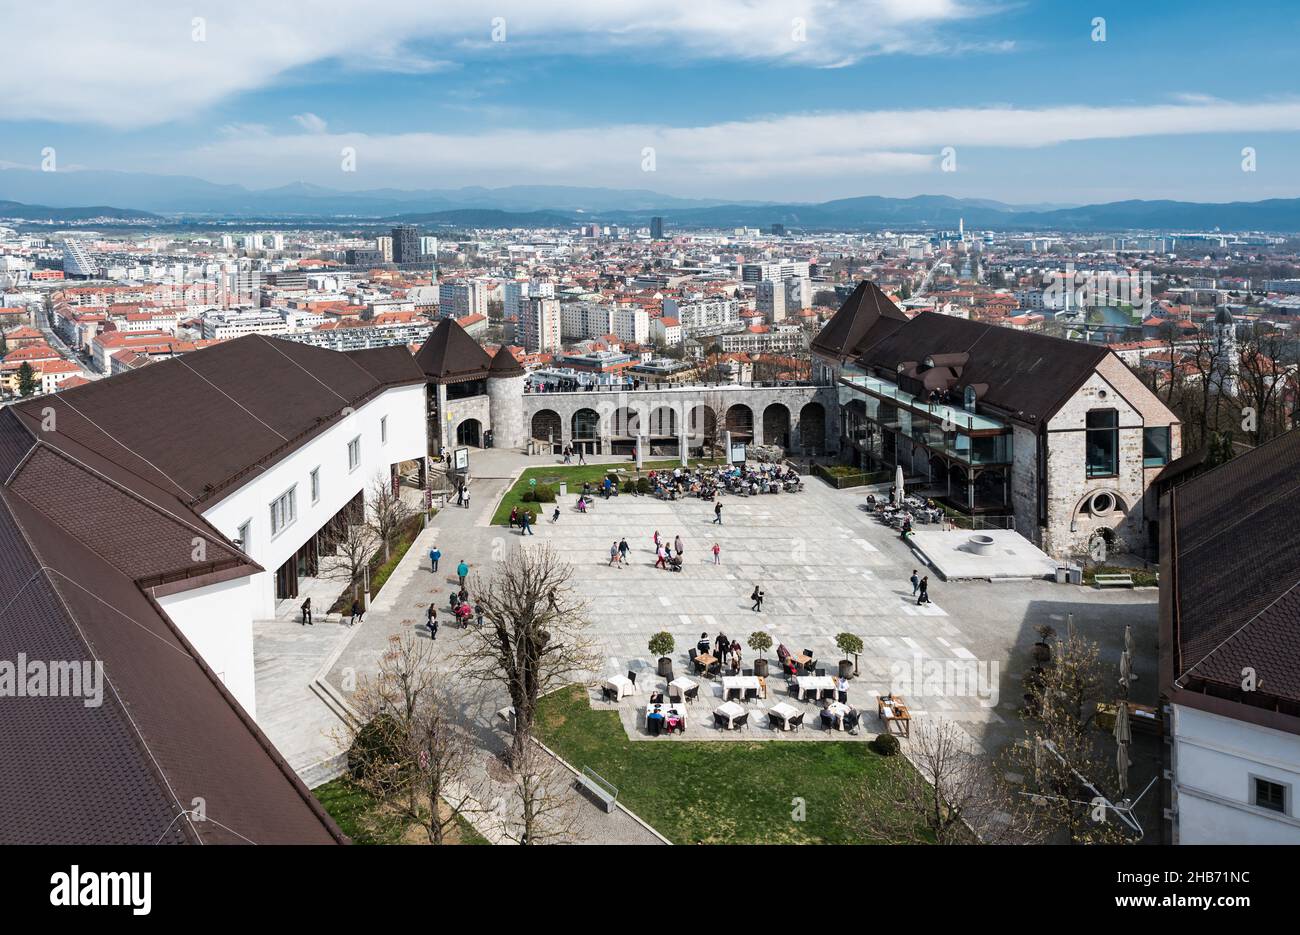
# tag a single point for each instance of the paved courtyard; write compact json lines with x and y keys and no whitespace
{"x":826,"y":567}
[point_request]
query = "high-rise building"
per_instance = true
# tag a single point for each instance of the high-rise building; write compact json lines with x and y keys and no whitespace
{"x":460,"y":297}
{"x":385,"y":246}
{"x":770,"y":300}
{"x":76,"y":261}
{"x":541,"y":324}
{"x":656,"y":228}
{"x":406,"y":244}
{"x":429,"y":247}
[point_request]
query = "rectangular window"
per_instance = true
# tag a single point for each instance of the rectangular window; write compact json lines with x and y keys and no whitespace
{"x":245,"y":536}
{"x":354,"y":453}
{"x":1155,"y":446}
{"x":1103,"y":443}
{"x":1270,"y":795}
{"x":315,"y":485}
{"x":383,"y":430}
{"x":284,"y":509}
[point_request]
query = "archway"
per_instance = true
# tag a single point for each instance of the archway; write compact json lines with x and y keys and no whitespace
{"x":586,"y":425}
{"x":663,"y":423}
{"x":469,"y":432}
{"x":626,"y":423}
{"x":776,"y":425}
{"x":547,"y":426}
{"x":740,"y":422}
{"x":701,"y":426}
{"x":812,"y":427}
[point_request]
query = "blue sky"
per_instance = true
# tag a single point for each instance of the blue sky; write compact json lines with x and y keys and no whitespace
{"x":802,"y":100}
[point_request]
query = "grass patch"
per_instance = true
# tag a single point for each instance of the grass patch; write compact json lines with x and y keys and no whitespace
{"x":363,"y":819}
{"x":724,"y":792}
{"x":573,"y":475}
{"x":1142,"y":577}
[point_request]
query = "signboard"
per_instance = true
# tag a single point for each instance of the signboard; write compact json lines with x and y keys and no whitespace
{"x":737,"y":453}
{"x":460,"y":460}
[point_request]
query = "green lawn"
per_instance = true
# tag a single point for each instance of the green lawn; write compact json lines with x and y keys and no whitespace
{"x":723,"y":792}
{"x":355,"y":812}
{"x":573,"y":475}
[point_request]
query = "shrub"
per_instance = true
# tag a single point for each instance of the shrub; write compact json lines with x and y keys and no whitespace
{"x":849,"y":644}
{"x":662,"y":643}
{"x":886,"y":744}
{"x":377,"y":750}
{"x":544,"y":493}
{"x":629,"y":486}
{"x":642,"y":485}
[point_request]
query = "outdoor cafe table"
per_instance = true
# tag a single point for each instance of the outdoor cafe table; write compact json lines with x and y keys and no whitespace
{"x":730,"y":710}
{"x":667,"y":710}
{"x":892,"y":708}
{"x":784,"y":712}
{"x":622,"y":684}
{"x":815,"y":684}
{"x":839,"y":709}
{"x":738,"y":684}
{"x":705,"y":660}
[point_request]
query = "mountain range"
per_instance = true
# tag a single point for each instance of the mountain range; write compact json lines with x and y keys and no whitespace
{"x":63,"y":196}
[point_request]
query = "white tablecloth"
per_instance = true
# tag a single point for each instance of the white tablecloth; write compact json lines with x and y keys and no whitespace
{"x":740,"y":682}
{"x":784,"y":712}
{"x":730,"y":710}
{"x":839,"y":709}
{"x":683,"y":683}
{"x":622,"y":684}
{"x":818,"y":683}
{"x":667,"y":710}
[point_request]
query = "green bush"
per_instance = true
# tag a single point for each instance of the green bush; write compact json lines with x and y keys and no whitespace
{"x":544,"y":493}
{"x":629,"y":486}
{"x":642,"y":485}
{"x":886,"y":744}
{"x":376,"y":749}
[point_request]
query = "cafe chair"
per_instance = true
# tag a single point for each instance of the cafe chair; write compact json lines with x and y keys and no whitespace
{"x":742,"y":721}
{"x":631,"y":677}
{"x":611,"y":694}
{"x":748,"y":672}
{"x":775,"y":721}
{"x":821,"y":672}
{"x":796,"y":722}
{"x":720,"y":721}
{"x":656,"y":697}
{"x":751,"y":694}
{"x":693,"y":693}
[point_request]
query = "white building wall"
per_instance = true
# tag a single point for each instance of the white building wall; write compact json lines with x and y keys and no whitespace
{"x":404,"y":406}
{"x":1215,"y":760}
{"x":218,"y":622}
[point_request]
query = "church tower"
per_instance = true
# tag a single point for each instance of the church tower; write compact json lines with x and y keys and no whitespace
{"x":1226,"y":355}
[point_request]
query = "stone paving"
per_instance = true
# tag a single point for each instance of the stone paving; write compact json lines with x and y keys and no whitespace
{"x":826,"y":567}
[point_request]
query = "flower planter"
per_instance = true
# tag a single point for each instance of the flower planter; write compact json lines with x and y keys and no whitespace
{"x":665,"y":667}
{"x":760,"y":668}
{"x":846,"y":669}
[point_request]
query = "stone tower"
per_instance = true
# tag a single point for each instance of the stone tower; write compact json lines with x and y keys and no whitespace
{"x":1226,"y":356}
{"x":505,"y":387}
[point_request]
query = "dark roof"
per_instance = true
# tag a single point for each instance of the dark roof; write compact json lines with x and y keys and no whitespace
{"x":505,"y":364}
{"x":166,"y":733}
{"x":391,"y":366}
{"x":1025,"y":375}
{"x":196,"y":425}
{"x":848,"y":331}
{"x":449,"y":355}
{"x":1230,"y":580}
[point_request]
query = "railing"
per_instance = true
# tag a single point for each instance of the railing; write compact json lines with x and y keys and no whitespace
{"x":980,"y":521}
{"x":843,"y":481}
{"x":678,"y":385}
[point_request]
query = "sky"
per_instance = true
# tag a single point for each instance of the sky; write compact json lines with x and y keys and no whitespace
{"x":804,"y":100}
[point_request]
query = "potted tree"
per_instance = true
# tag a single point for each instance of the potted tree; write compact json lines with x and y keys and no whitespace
{"x":760,"y":642}
{"x":850,"y":645}
{"x":661,"y":644}
{"x":1043,"y":648}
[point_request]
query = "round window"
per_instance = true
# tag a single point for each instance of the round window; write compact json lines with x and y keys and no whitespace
{"x":1102,"y":503}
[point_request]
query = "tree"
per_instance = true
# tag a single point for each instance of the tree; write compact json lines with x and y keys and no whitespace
{"x":410,"y":750}
{"x":949,"y":793}
{"x":27,"y":382}
{"x":760,"y":642}
{"x":354,"y":544}
{"x":543,"y":791}
{"x":849,"y":644}
{"x":534,"y":636}
{"x":662,"y":643}
{"x":386,"y":512}
{"x":1061,"y":756}
{"x":4,"y":344}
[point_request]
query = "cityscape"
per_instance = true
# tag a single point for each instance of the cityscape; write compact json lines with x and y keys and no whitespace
{"x":424,"y":432}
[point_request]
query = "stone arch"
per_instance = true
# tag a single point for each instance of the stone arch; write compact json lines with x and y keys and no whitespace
{"x":547,"y":426}
{"x":662,"y":422}
{"x":469,"y":432}
{"x":1096,"y":497}
{"x":740,"y":422}
{"x":626,"y":423}
{"x":776,"y":425}
{"x":585,"y":425}
{"x":702,"y":425}
{"x":812,"y":426}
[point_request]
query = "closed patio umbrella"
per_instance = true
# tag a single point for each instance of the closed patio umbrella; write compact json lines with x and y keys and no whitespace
{"x":898,"y":485}
{"x":1128,"y":645}
{"x":1121,"y":766}
{"x":1125,"y":671}
{"x":1123,"y":730}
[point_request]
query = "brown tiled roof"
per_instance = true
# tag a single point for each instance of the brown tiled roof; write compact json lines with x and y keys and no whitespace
{"x":391,"y":366}
{"x":166,"y":734}
{"x":844,"y":335}
{"x":505,"y":364}
{"x":1231,"y":583}
{"x":452,"y":356}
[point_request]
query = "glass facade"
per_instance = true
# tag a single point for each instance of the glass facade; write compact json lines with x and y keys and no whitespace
{"x":1103,"y":443}
{"x":1155,"y":446}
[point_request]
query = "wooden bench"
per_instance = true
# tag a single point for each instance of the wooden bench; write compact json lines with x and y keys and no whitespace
{"x":599,"y":788}
{"x":1121,"y":580}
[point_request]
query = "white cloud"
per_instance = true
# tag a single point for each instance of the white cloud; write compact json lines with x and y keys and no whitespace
{"x":713,"y":159}
{"x":153,"y":61}
{"x":310,"y":122}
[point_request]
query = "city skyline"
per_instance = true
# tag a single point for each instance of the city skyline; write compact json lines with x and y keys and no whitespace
{"x":760,"y":102}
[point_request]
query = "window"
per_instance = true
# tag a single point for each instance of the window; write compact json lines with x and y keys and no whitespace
{"x":1103,"y":443}
{"x":315,"y":485}
{"x":354,"y":453}
{"x":1270,"y":795}
{"x":1155,"y":446}
{"x":244,"y":538}
{"x":284,"y":509}
{"x":383,"y":430}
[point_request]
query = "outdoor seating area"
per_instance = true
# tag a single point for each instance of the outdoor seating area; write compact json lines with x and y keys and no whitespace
{"x":706,"y":483}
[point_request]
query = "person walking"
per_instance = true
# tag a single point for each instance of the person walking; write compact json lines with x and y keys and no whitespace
{"x":567,"y":451}
{"x":462,"y":571}
{"x":358,"y":612}
{"x":717,"y":554}
{"x":623,"y":550}
{"x":460,"y":494}
{"x":465,"y":502}
{"x":924,"y":596}
{"x":581,"y":457}
{"x":613,"y":552}
{"x":717,"y":513}
{"x":555,"y":517}
{"x":656,"y":538}
{"x":757,"y":598}
{"x":514,"y":517}
{"x":434,"y":555}
{"x":662,"y":557}
{"x":526,"y":523}
{"x":431,"y":622}
{"x":677,"y":545}
{"x":306,"y":613}
{"x":916,"y":582}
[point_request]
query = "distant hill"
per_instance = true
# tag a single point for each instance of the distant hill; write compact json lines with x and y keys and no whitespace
{"x":16,"y":209}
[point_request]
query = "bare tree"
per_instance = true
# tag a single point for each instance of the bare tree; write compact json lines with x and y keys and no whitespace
{"x":354,"y":544}
{"x":1062,"y":756}
{"x":1267,"y":357}
{"x":534,"y":637}
{"x":547,"y":810}
{"x":950,"y":793}
{"x":411,"y":750}
{"x":386,"y":512}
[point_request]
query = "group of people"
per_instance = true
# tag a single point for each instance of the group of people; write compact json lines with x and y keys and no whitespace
{"x":726,"y":651}
{"x":920,"y":588}
{"x":707,"y":482}
{"x":458,"y":600}
{"x":524,"y":519}
{"x":668,"y":554}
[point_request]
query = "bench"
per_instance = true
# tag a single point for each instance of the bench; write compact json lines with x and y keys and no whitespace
{"x":599,"y":788}
{"x":1121,"y":580}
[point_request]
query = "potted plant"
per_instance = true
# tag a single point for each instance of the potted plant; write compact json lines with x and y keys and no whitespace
{"x":760,"y":642}
{"x":661,"y":644}
{"x":1043,"y":648}
{"x":850,"y":645}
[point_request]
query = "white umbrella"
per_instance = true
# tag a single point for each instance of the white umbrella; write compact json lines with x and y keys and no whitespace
{"x":1121,"y":765}
{"x":898,"y":485}
{"x":1128,"y":645}
{"x":1123,"y":730}
{"x":1125,"y":670}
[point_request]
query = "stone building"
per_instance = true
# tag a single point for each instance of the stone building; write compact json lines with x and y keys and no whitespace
{"x":1057,"y":439}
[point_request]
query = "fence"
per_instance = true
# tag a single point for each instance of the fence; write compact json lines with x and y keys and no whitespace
{"x":962,"y":521}
{"x":843,"y":481}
